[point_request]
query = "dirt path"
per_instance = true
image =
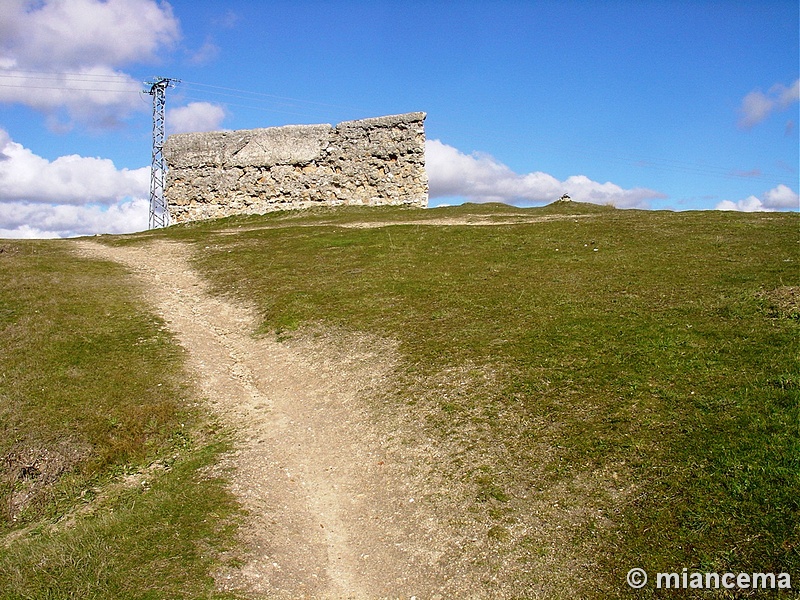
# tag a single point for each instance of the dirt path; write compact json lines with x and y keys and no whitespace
{"x":331,"y":514}
{"x":472,"y":220}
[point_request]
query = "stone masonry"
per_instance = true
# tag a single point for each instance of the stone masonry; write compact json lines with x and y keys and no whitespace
{"x":370,"y":162}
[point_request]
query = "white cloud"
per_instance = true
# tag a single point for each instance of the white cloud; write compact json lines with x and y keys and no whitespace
{"x":26,"y":232}
{"x":67,"y":34}
{"x":481,"y":178}
{"x":781,"y":197}
{"x":71,"y":195}
{"x":26,"y":220}
{"x":758,"y":106}
{"x":195,"y":116}
{"x":66,"y":54}
{"x":72,"y":179}
{"x":787,"y":95}
{"x":749,"y":204}
{"x":229,"y":20}
{"x":98,"y":96}
{"x":207,"y":53}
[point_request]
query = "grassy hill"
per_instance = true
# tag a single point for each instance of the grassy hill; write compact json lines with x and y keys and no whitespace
{"x":604,"y":389}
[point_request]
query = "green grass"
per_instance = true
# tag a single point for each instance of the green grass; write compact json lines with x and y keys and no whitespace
{"x":644,"y":341}
{"x":641,"y":364}
{"x":159,"y":541}
{"x":92,"y":388}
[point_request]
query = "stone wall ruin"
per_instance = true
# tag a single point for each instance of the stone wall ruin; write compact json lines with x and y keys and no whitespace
{"x":378,"y":161}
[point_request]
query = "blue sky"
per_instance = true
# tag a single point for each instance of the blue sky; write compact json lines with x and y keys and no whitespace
{"x":655,"y":104}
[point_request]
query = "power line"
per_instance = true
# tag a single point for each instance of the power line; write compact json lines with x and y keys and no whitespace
{"x":70,"y":77}
{"x":68,"y":88}
{"x":64,"y":73}
{"x":84,"y":77}
{"x":63,"y":80}
{"x":262,"y":108}
{"x":248,"y":94}
{"x":260,"y":101}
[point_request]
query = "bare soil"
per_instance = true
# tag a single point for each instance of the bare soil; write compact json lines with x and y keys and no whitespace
{"x":473,"y":220}
{"x":331,"y":513}
{"x":348,"y":495}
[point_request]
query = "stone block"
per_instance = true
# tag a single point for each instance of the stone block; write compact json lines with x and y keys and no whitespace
{"x":289,"y":145}
{"x":370,"y":161}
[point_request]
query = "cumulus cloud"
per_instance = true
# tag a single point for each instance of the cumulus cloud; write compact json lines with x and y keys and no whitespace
{"x":781,"y":197}
{"x":75,"y":33}
{"x":481,"y":178}
{"x":72,"y":179}
{"x":758,"y":106}
{"x":26,"y":220}
{"x":67,"y":54}
{"x":195,"y":116}
{"x":71,"y":195}
{"x":98,"y":95}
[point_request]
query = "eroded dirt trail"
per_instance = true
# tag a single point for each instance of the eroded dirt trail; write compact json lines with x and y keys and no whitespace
{"x":330,"y":515}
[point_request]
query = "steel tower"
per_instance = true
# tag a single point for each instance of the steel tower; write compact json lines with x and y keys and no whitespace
{"x":159,"y":214}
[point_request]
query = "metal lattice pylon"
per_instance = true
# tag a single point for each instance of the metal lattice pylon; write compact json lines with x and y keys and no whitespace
{"x":159,"y":213}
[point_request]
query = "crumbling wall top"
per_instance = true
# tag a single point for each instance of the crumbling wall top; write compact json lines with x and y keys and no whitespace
{"x":380,"y":160}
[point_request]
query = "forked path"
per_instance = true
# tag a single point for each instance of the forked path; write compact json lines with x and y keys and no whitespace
{"x":329,"y":513}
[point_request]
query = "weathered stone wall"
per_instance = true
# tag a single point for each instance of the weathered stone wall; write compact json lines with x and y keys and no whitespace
{"x":369,"y":162}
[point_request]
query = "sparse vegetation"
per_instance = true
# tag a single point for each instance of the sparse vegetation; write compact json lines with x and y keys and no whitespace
{"x":621,"y":384}
{"x":99,"y":448}
{"x":656,"y":348}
